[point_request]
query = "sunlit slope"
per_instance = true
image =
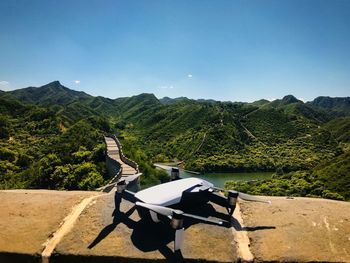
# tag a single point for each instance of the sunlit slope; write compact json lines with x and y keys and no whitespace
{"x":286,"y":134}
{"x":234,"y":136}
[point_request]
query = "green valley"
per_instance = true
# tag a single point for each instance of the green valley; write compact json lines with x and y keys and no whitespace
{"x":52,"y":137}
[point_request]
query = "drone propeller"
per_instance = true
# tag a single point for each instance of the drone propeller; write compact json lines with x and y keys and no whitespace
{"x":243,"y":196}
{"x":252,"y":198}
{"x":176,"y":216}
{"x":232,"y":196}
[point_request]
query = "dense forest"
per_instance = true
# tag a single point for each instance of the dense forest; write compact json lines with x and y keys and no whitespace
{"x":52,"y":137}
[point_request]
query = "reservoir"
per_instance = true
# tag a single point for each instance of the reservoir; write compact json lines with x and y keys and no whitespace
{"x":219,"y":179}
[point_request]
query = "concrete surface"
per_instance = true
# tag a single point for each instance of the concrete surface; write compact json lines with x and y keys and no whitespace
{"x":298,"y":230}
{"x":29,"y":217}
{"x":288,"y":230}
{"x":106,"y":234}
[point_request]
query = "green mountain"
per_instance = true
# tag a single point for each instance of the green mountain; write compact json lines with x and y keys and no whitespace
{"x":340,"y":129}
{"x":52,"y":137}
{"x":259,"y":103}
{"x":132,"y":107}
{"x":335,"y":106}
{"x":231,"y":136}
{"x":284,"y":135}
{"x":167,"y":100}
{"x":42,"y":147}
{"x":50,"y":94}
{"x":289,"y":99}
{"x":329,"y":179}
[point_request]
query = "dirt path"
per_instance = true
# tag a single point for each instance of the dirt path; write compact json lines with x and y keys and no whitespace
{"x":201,"y":144}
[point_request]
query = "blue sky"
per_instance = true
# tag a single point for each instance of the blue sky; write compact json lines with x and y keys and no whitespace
{"x":225,"y":50}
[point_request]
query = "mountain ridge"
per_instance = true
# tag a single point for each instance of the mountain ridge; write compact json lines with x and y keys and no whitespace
{"x":51,"y":93}
{"x":59,"y":132}
{"x":63,"y":96}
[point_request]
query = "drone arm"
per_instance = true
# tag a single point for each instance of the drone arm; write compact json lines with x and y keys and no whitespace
{"x":228,"y":202}
{"x":217,"y":199}
{"x":129,"y":196}
{"x":204,"y":219}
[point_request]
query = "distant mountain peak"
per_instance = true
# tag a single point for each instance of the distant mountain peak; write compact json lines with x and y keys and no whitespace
{"x":338,"y":105}
{"x":290,"y":99}
{"x":56,"y":82}
{"x":51,"y":93}
{"x":53,"y":84}
{"x":168,"y":100}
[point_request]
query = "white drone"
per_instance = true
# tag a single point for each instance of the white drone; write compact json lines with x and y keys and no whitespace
{"x":159,"y":203}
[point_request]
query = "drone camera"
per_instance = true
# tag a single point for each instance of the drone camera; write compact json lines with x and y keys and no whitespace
{"x":121,"y":186}
{"x":177,"y":220}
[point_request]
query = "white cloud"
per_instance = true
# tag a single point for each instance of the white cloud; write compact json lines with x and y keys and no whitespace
{"x":302,"y":99}
{"x":166,"y":87}
{"x":189,"y":75}
{"x":4,"y":83}
{"x":77,"y":81}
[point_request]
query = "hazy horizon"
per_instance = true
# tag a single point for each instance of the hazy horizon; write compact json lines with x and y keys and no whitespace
{"x":200,"y":98}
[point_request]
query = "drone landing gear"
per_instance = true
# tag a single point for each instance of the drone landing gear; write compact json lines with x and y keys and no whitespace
{"x":228,"y":202}
{"x":177,"y":224}
{"x":231,"y":202}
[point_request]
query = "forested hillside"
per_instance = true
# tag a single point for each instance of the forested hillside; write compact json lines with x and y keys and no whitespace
{"x":50,"y":148}
{"x":52,"y":137}
{"x":233,"y":136}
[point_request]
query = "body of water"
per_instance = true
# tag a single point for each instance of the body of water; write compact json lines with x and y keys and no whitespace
{"x":219,"y":179}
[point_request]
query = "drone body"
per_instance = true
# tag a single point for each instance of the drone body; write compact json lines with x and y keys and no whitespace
{"x":162,"y":203}
{"x":170,"y":193}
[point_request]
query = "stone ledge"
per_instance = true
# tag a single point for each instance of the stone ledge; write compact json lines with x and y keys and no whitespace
{"x":288,"y":230}
{"x":29,"y":217}
{"x":104,"y":234}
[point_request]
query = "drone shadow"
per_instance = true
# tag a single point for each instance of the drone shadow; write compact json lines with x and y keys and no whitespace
{"x":118,"y":217}
{"x":145,"y":236}
{"x":148,"y":236}
{"x":151,"y":237}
